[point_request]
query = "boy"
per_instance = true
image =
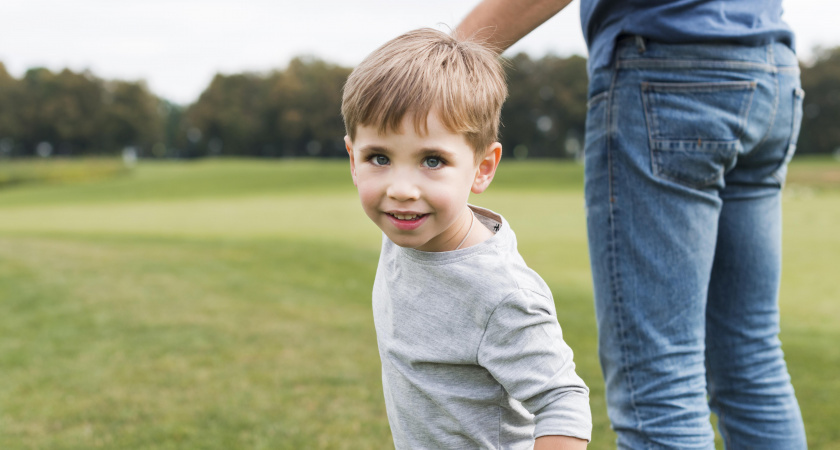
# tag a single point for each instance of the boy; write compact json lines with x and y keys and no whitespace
{"x":472,"y":354}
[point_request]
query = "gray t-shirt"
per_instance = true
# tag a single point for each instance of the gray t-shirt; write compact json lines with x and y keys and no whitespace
{"x":472,"y":353}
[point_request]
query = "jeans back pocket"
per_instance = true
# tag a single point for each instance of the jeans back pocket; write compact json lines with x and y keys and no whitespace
{"x":695,"y":129}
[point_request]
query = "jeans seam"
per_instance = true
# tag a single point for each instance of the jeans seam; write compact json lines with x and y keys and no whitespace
{"x":772,"y":120}
{"x":615,"y":275}
{"x":596,"y":99}
{"x":651,"y":121}
{"x":691,"y":87}
{"x":745,"y":110}
{"x":694,"y":64}
{"x":794,"y":127}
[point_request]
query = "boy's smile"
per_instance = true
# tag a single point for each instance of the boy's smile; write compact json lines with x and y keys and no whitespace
{"x":415,"y":187}
{"x":407,"y":222}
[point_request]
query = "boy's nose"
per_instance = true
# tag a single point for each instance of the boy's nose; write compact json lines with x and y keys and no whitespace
{"x":402,"y":188}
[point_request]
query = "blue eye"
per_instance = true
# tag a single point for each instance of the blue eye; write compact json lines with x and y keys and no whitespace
{"x":380,"y":160}
{"x":432,"y":162}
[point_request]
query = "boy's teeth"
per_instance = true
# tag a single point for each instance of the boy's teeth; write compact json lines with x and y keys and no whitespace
{"x":404,"y":217}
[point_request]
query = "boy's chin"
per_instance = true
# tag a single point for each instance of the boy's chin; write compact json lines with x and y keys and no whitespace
{"x":405,"y":242}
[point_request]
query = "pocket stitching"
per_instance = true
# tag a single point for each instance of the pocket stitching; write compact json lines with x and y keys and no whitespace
{"x":597,"y":98}
{"x":657,"y":154}
{"x":711,"y":87}
{"x":796,"y":127}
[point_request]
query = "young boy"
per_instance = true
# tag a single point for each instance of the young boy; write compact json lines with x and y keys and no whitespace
{"x":472,"y":354}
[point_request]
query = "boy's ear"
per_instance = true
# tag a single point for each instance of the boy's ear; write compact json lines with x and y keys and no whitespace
{"x":486,"y":169}
{"x":349,"y":145}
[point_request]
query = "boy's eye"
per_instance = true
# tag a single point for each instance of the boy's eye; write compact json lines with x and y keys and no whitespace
{"x":379,"y":160}
{"x":432,"y":162}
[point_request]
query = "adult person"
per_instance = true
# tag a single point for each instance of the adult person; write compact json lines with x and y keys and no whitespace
{"x":694,"y":111}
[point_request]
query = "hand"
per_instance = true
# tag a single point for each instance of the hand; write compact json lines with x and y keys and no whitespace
{"x":559,"y":443}
{"x":500,"y":23}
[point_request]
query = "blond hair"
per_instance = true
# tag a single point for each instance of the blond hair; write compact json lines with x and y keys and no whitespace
{"x":425,"y":70}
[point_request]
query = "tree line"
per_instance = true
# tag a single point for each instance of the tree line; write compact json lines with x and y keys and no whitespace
{"x":294,"y":112}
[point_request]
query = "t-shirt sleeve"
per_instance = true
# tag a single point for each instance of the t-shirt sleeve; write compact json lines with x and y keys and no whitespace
{"x":524,"y":350}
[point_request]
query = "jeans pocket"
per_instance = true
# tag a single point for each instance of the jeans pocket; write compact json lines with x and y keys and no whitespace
{"x":781,"y":172}
{"x":695,"y":129}
{"x":596,"y":119}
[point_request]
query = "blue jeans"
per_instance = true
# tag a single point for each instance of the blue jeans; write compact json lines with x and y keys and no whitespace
{"x":686,"y":152}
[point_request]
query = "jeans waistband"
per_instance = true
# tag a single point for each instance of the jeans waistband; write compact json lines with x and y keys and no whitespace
{"x":637,"y":51}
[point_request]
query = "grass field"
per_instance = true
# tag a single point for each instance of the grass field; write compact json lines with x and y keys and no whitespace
{"x":226,"y":303}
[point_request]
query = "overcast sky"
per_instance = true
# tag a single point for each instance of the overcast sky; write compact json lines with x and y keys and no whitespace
{"x":178,"y":45}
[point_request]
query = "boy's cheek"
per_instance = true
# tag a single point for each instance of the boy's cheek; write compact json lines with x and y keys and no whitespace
{"x":366,"y":195}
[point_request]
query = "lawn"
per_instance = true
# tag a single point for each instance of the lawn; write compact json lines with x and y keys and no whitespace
{"x":226,"y":303}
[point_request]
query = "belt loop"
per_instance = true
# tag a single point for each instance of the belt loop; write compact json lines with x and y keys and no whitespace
{"x":640,"y":44}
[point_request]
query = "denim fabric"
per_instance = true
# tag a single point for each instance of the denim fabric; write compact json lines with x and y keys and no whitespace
{"x":686,"y":153}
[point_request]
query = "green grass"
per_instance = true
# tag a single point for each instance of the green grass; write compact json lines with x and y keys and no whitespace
{"x":226,"y":303}
{"x":58,"y":170}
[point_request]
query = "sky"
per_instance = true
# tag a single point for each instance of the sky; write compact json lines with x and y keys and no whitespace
{"x":177,"y":46}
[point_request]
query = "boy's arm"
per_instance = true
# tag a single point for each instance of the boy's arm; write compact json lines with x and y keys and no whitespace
{"x":559,"y":443}
{"x":523,"y":349}
{"x":500,"y":23}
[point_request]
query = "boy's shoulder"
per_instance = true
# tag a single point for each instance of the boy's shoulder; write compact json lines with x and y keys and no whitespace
{"x":505,"y":268}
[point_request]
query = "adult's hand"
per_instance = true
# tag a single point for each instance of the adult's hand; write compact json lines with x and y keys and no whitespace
{"x":501,"y":23}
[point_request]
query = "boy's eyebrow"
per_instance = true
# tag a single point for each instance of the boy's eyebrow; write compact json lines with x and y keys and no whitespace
{"x":423,"y":151}
{"x":435,"y":150}
{"x":373,"y":148}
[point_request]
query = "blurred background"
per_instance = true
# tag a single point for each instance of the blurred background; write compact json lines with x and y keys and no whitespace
{"x":183,"y":260}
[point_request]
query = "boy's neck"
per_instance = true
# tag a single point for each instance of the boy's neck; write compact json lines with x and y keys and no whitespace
{"x":479,"y":232}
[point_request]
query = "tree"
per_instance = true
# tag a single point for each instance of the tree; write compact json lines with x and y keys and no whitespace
{"x":70,"y":113}
{"x":306,"y":108}
{"x":546,"y":109}
{"x":821,"y":112}
{"x":70,"y":110}
{"x":10,"y":126}
{"x":227,"y":118}
{"x":291,"y":112}
{"x":130,"y":117}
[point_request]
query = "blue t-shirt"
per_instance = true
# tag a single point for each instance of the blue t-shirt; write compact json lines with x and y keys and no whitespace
{"x":748,"y":22}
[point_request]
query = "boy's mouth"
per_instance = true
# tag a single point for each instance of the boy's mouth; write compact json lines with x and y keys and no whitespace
{"x":407,"y":222}
{"x":406,"y":216}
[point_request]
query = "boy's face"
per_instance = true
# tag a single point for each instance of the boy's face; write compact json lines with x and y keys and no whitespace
{"x":415,"y":187}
